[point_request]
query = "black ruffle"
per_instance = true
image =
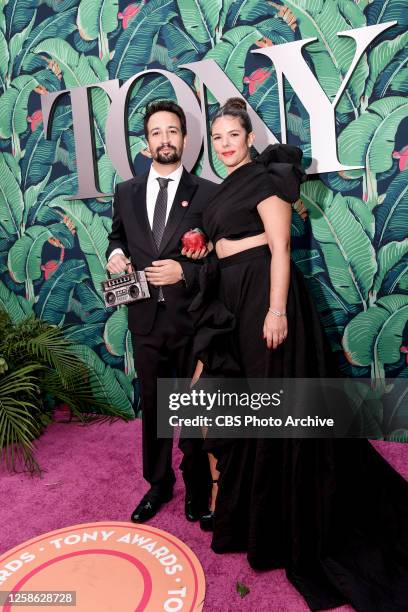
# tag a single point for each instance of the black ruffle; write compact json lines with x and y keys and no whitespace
{"x":280,"y":153}
{"x":283,"y":165}
{"x":213,"y":325}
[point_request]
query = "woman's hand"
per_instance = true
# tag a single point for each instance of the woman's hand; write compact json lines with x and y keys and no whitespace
{"x":198,"y":254}
{"x":195,"y":254}
{"x":301,"y":209}
{"x":275,"y":330}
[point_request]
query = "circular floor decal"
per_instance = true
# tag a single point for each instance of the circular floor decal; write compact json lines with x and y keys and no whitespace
{"x":113,"y":566}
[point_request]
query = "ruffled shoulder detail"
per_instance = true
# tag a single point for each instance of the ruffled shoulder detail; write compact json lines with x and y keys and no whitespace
{"x":280,"y":154}
{"x":282,"y":164}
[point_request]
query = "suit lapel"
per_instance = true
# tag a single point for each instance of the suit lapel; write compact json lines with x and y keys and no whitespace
{"x":139,"y":206}
{"x":184,"y":193}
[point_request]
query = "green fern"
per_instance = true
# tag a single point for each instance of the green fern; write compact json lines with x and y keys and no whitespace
{"x":39,"y":368}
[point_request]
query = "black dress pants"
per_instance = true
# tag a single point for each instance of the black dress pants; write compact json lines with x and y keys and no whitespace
{"x":166,"y":352}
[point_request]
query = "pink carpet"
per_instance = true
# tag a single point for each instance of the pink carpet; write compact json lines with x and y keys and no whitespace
{"x":93,"y":473}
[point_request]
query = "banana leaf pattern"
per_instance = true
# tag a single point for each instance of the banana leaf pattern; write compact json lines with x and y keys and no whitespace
{"x":353,"y":249}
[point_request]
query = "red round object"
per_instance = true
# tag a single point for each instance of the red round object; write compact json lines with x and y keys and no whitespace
{"x":194,"y":240}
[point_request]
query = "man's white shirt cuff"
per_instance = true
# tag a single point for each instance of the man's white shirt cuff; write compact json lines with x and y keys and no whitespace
{"x":116,"y":252}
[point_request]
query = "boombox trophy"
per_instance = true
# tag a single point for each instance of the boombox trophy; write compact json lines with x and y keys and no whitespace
{"x":125,"y":289}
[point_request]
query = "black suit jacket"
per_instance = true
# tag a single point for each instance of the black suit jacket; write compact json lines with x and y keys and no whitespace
{"x":131,"y":232}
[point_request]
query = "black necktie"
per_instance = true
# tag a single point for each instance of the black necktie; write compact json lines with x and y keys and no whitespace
{"x":159,"y":218}
{"x":160,"y":210}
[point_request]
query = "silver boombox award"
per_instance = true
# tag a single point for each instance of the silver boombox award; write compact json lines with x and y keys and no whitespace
{"x":125,"y":289}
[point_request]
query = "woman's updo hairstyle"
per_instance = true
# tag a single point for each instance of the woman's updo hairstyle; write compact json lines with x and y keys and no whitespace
{"x":235,"y":107}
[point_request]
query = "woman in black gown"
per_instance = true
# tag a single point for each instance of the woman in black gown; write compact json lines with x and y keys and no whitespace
{"x":332,"y":512}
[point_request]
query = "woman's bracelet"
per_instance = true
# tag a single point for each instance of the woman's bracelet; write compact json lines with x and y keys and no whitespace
{"x":278,"y":313}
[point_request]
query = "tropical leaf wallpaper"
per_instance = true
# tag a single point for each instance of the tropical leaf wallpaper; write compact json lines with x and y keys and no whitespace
{"x":353,"y":248}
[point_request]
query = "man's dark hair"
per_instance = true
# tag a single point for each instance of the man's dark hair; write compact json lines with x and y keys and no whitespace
{"x":165,"y":105}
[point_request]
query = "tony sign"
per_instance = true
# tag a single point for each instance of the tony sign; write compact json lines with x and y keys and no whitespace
{"x":288,"y":61}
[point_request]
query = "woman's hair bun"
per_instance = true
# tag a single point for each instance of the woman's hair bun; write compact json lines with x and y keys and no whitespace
{"x":237,"y":103}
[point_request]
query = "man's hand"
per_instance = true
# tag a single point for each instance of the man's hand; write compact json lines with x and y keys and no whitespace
{"x":164,"y":272}
{"x":119,"y":263}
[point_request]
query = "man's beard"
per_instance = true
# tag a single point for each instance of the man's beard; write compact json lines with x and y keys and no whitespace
{"x":169,"y":158}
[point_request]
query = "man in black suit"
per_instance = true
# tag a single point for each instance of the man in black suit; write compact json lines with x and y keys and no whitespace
{"x":151,"y":214}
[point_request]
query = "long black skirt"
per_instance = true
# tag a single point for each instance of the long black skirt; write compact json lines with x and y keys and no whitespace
{"x":332,"y":512}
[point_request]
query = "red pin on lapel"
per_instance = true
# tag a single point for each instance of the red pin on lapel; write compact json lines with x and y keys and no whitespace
{"x":184,"y":203}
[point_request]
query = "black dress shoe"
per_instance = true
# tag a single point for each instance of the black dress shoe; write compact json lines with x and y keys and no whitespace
{"x":149,"y":506}
{"x":207,"y":521}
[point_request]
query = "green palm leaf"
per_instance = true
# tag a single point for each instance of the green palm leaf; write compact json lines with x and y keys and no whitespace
{"x":96,"y":16}
{"x":388,"y":257}
{"x":363,"y":214}
{"x":89,"y":298}
{"x":226,"y":6}
{"x":332,"y":54}
{"x":230,"y":54}
{"x":369,"y":140}
{"x":17,"y":42}
{"x":88,"y":305}
{"x":132,"y":49}
{"x":24,"y":257}
{"x":375,"y":336}
{"x":106,"y":386}
{"x":327,"y":299}
{"x":16,"y":306}
{"x":118,"y":339}
{"x":400,"y":81}
{"x":200,"y":18}
{"x":62,"y":186}
{"x":97,"y":19}
{"x":396,"y":280}
{"x":77,"y":69}
{"x":59,"y":6}
{"x":11,"y":197}
{"x":247,"y":11}
{"x":180,"y":45}
{"x":55,"y":293}
{"x":309,"y":262}
{"x":276,"y":30}
{"x":85,"y":333}
{"x":398,"y":435}
{"x":32,"y":193}
{"x":39,"y":156}
{"x":18,"y":15}
{"x":18,"y":423}
{"x":394,"y":77}
{"x":379,"y":58}
{"x":347,"y":249}
{"x":35,"y":340}
{"x":4,"y":54}
{"x":13,"y":106}
{"x":391,"y":214}
{"x":381,"y":11}
{"x":265,"y":102}
{"x":60,"y":25}
{"x":92,"y":237}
